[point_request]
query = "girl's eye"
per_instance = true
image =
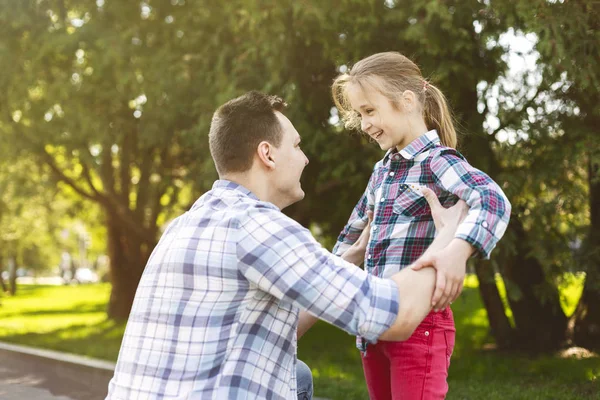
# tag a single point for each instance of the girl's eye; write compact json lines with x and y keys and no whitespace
{"x":369,"y":111}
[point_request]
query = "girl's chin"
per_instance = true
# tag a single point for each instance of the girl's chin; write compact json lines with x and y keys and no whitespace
{"x":384,"y":146}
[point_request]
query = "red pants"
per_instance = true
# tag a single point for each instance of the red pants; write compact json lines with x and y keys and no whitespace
{"x":415,"y":369}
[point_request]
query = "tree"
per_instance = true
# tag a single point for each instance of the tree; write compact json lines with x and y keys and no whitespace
{"x":26,"y":210}
{"x":116,"y":100}
{"x":87,"y":73}
{"x":569,"y":45}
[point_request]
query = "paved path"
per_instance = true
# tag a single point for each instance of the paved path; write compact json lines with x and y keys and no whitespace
{"x":29,"y":377}
{"x":34,"y":374}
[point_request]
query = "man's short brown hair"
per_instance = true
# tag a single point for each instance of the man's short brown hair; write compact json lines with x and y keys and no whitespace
{"x":239,"y":125}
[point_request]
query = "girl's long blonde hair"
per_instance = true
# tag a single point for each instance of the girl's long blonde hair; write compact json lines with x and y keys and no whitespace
{"x":392,"y":73}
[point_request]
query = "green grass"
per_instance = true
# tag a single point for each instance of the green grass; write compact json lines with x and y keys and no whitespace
{"x":73,"y":319}
{"x":474,"y":373}
{"x":64,"y":318}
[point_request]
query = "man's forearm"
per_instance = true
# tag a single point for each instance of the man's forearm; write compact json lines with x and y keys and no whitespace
{"x":305,"y":322}
{"x":415,"y":289}
{"x":443,"y":239}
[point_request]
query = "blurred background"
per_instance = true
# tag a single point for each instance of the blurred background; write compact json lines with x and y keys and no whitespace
{"x":104,"y":114}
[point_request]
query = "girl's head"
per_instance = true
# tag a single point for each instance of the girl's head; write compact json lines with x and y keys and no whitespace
{"x":386,"y":96}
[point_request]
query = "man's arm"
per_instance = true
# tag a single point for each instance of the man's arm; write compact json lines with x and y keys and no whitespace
{"x":355,"y":255}
{"x":415,"y":289}
{"x":282,"y":258}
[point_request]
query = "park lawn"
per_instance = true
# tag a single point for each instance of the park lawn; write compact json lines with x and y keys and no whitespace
{"x":73,"y":319}
{"x":63,"y":318}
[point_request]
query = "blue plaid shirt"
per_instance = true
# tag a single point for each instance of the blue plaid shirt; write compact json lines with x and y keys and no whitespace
{"x":402,"y":227}
{"x":216,"y":311}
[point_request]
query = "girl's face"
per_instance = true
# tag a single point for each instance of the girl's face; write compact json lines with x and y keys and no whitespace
{"x":380,"y":119}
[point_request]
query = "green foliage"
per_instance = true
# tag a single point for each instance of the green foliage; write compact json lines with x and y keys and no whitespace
{"x":118,"y":98}
{"x":115,"y":98}
{"x":552,"y":112}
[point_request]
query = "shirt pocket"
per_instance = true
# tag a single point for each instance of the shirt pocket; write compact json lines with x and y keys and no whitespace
{"x":410,"y":202}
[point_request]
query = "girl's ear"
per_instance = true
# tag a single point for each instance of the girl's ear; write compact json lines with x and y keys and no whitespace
{"x":409,"y":100}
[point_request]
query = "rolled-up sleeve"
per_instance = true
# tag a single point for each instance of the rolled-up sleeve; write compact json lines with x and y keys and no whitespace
{"x":283,"y":259}
{"x":489,"y":208}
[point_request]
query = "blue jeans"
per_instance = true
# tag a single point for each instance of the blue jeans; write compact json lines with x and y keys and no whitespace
{"x":304,"y":381}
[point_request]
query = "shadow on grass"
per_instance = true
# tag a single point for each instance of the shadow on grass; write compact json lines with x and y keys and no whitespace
{"x":101,"y":340}
{"x":84,"y":308}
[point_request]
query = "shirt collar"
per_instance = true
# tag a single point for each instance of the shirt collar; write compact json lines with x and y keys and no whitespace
{"x":414,"y":148}
{"x":229,"y":185}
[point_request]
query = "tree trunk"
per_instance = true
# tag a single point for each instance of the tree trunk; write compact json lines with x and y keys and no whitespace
{"x":2,"y":283}
{"x":540,"y":323}
{"x":586,"y":318}
{"x":539,"y":319}
{"x":500,"y":326}
{"x":12,"y":274}
{"x":128,"y":257}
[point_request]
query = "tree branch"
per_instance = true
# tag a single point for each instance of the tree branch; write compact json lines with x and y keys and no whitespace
{"x":514,"y":116}
{"x":62,"y":177}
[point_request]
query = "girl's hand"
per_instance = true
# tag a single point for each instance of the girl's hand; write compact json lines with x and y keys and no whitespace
{"x":450,"y":261}
{"x":356,"y":253}
{"x":450,"y":264}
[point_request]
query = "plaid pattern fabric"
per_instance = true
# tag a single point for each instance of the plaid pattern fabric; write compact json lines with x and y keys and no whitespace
{"x":402,"y":227}
{"x":216,"y":311}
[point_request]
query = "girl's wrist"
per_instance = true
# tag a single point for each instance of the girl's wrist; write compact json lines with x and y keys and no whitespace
{"x":352,"y":256}
{"x":461,"y":247}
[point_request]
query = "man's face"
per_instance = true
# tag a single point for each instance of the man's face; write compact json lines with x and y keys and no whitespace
{"x":290,"y":161}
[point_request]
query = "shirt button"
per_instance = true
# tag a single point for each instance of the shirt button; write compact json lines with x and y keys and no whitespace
{"x":391,"y":174}
{"x":426,"y":333}
{"x":382,"y":200}
{"x":484,"y":224}
{"x":375,"y":227}
{"x":369,"y":257}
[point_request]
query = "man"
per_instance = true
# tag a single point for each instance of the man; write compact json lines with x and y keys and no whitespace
{"x":217,"y":309}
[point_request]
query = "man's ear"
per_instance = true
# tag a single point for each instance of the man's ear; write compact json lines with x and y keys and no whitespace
{"x":265,"y":154}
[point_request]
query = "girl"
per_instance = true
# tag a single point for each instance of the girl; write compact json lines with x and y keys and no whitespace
{"x":386,"y":96}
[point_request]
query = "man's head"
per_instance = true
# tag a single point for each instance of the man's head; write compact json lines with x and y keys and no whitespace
{"x":250,"y":139}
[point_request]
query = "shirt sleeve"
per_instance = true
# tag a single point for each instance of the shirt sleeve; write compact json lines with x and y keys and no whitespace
{"x":282,"y":258}
{"x":358,"y":219}
{"x":490,"y":209}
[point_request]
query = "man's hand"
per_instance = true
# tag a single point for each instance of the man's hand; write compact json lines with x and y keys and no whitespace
{"x":356,"y":253}
{"x":450,"y":262}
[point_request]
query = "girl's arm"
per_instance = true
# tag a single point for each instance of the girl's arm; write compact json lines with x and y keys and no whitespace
{"x":486,"y":222}
{"x":489,"y":209}
{"x":358,"y":219}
